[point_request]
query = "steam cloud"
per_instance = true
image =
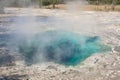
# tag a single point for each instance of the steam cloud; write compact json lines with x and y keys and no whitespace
{"x":54,"y":38}
{"x":59,"y":46}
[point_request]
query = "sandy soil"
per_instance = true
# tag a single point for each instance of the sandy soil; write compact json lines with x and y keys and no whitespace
{"x":104,"y":66}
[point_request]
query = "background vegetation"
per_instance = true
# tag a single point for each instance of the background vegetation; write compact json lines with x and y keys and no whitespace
{"x":50,"y":2}
{"x":93,"y":2}
{"x":111,"y":4}
{"x":104,"y":1}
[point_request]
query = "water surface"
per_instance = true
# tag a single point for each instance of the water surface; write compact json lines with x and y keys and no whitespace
{"x":61,"y":47}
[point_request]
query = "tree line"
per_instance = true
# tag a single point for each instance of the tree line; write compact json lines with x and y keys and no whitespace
{"x":41,"y":3}
{"x":102,"y":2}
{"x":50,"y":2}
{"x":93,"y":2}
{"x":19,"y":3}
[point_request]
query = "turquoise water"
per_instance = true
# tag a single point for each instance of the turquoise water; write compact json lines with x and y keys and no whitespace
{"x":61,"y":47}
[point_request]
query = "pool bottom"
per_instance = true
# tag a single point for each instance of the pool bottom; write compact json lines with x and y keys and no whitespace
{"x":61,"y":47}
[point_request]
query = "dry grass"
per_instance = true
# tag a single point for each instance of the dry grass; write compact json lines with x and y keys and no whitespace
{"x":90,"y":7}
{"x":102,"y":7}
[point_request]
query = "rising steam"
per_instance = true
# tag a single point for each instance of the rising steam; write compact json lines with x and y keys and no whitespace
{"x":59,"y":38}
{"x":59,"y":46}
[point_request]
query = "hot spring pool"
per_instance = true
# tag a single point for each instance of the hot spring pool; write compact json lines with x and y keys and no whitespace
{"x":61,"y":47}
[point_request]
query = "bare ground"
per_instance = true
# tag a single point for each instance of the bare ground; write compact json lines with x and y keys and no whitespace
{"x":104,"y":66}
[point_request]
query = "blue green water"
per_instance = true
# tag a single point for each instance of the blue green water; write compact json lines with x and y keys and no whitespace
{"x":61,"y":47}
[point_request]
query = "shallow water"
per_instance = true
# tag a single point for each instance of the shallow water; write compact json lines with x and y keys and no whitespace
{"x":61,"y":47}
{"x":57,"y":46}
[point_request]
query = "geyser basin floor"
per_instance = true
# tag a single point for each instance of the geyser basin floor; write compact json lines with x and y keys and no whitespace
{"x":95,"y":67}
{"x":62,"y":47}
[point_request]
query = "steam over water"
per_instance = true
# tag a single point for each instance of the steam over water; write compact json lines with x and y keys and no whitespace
{"x":50,"y":39}
{"x":54,"y":38}
{"x":61,"y":47}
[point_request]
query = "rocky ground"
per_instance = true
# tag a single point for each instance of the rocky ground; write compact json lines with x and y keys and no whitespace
{"x":105,"y":66}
